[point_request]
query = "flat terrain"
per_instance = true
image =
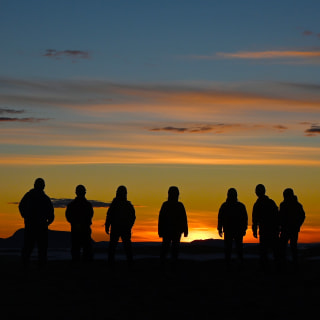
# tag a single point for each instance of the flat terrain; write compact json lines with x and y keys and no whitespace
{"x":197,"y":290}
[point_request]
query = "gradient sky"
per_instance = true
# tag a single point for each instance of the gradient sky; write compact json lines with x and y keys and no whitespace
{"x":204,"y":95}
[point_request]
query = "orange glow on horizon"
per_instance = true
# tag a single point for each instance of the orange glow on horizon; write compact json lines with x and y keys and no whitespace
{"x":166,"y":154}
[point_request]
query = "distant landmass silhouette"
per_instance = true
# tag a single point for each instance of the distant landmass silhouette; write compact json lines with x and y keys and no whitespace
{"x":56,"y":239}
{"x":62,"y":239}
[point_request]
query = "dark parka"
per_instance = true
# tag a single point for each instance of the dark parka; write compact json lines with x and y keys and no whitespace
{"x":120,"y":216}
{"x":233,"y":218}
{"x":265,"y":216}
{"x":79,"y":213}
{"x":36,"y":209}
{"x":292,"y":215}
{"x":172,"y":219}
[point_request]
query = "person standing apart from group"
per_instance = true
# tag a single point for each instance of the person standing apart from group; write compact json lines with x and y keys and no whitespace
{"x":233,"y":223}
{"x":292,"y":217}
{"x":79,"y":214}
{"x":265,"y":218}
{"x":38,"y":213}
{"x":172,"y":223}
{"x":120,"y":217}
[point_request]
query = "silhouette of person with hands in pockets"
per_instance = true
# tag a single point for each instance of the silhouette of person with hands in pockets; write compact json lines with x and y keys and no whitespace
{"x":292,"y":217}
{"x":121,"y":217}
{"x":38,"y":213}
{"x":233,"y":223}
{"x":265,"y":217}
{"x":79,"y":213}
{"x":172,"y":224}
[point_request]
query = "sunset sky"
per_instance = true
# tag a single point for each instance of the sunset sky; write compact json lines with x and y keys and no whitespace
{"x":204,"y":95}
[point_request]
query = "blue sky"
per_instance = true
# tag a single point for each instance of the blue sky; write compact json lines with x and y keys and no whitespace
{"x":153,"y":40}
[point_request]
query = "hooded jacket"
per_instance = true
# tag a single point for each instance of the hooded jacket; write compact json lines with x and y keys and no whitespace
{"x":292,"y":215}
{"x":120,"y":215}
{"x":265,"y":216}
{"x":79,"y":212}
{"x":36,"y":208}
{"x":172,"y":219}
{"x":233,"y":218}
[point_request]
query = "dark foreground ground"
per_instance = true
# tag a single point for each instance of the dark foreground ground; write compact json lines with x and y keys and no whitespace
{"x":200,"y":290}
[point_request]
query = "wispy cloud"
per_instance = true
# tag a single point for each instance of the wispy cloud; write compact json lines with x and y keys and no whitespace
{"x":73,"y":54}
{"x":178,"y":149}
{"x":152,"y":98}
{"x":218,"y":128}
{"x":280,"y":56}
{"x":313,"y":131}
{"x":15,"y":119}
{"x":10,"y":111}
{"x":270,"y":54}
{"x":280,"y":127}
{"x":25,"y":120}
{"x":309,"y":33}
{"x":63,"y":202}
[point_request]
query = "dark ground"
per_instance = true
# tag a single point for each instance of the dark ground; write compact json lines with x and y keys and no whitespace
{"x":199,"y":290}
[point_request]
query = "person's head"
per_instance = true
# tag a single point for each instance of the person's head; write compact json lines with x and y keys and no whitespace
{"x":121,"y":192}
{"x":232,"y":194}
{"x":39,"y":184}
{"x":173,"y":193}
{"x":260,"y":190}
{"x":288,"y":194}
{"x":80,"y":190}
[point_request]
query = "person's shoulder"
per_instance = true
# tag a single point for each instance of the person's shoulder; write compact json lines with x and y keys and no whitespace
{"x":181,"y":205}
{"x":299,"y":205}
{"x":30,"y":193}
{"x":241,"y":205}
{"x":273,"y":203}
{"x":87,"y":202}
{"x":44,"y":195}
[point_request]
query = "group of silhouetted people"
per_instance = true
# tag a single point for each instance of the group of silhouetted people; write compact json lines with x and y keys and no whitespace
{"x":276,"y":226}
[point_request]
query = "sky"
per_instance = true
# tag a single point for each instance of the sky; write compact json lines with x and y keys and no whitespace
{"x":204,"y":95}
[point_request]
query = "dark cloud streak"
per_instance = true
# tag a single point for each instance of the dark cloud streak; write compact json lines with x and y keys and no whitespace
{"x":25,"y":120}
{"x":313,"y":131}
{"x":63,"y":202}
{"x":10,"y":111}
{"x":74,"y":54}
{"x":217,"y":128}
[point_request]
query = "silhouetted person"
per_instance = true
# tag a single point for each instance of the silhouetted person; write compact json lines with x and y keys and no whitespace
{"x":79,"y":214}
{"x":233,"y":222}
{"x":37,"y":211}
{"x":121,"y":217}
{"x":265,"y":217}
{"x":292,"y":217}
{"x":172,"y":224}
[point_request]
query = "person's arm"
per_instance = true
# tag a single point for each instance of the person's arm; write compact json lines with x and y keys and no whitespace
{"x":161,"y":221}
{"x":245,"y":219}
{"x":108,"y":219}
{"x":23,"y":206}
{"x":220,"y":221}
{"x":50,"y":216}
{"x":185,"y":221}
{"x":255,"y":221}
